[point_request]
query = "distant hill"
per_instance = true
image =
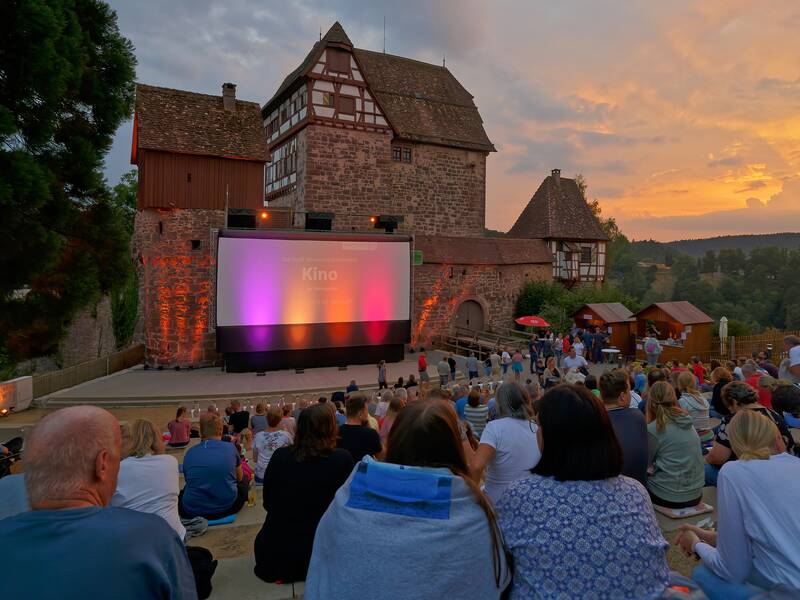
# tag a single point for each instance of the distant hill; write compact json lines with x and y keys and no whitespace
{"x":697,"y":248}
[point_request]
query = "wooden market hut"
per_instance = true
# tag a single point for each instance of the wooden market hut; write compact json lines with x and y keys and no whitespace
{"x":682,"y":329}
{"x":611,"y":317}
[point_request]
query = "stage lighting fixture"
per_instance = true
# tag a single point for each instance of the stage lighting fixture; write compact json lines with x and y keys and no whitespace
{"x":264,"y":215}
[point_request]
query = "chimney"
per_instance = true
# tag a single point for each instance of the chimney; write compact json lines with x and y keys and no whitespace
{"x":229,"y":96}
{"x":556,"y":173}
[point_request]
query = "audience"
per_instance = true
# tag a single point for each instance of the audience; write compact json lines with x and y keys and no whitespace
{"x":70,"y":544}
{"x":422,"y":499}
{"x":693,"y":402}
{"x":355,"y":435}
{"x":507,"y":448}
{"x":755,"y":547}
{"x":675,"y":456}
{"x":574,"y":526}
{"x":476,"y":412}
{"x":238,"y":419}
{"x":266,"y":442}
{"x":766,"y":384}
{"x":786,"y":402}
{"x":461,"y":395}
{"x":299,"y":484}
{"x":552,"y":374}
{"x":789,"y":368}
{"x":258,"y":422}
{"x":287,"y":421}
{"x":215,"y":487}
{"x":179,"y":428}
{"x":628,"y":423}
{"x":739,"y":396}
{"x":148,"y":479}
{"x":395,"y":407}
{"x":720,"y":377}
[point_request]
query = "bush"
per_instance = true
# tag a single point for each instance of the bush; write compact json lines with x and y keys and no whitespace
{"x":124,"y":308}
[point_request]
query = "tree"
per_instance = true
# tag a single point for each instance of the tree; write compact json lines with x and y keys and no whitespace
{"x":709,"y":263}
{"x":66,"y":83}
{"x":731,"y":261}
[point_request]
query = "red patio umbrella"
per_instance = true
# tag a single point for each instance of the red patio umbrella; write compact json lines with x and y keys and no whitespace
{"x":532,"y":321}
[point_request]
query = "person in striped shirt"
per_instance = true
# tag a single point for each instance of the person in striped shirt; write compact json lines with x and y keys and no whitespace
{"x":475,"y":412}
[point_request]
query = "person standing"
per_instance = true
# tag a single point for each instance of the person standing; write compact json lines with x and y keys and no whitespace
{"x":472,"y":366}
{"x":443,"y":368}
{"x":505,"y":361}
{"x":789,"y":368}
{"x":652,"y":350}
{"x":516,"y":365}
{"x":422,"y":365}
{"x":451,"y":362}
{"x":495,"y":360}
{"x":382,"y":376}
{"x":534,"y":353}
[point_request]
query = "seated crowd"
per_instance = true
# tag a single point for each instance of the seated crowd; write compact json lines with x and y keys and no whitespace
{"x":541,"y":489}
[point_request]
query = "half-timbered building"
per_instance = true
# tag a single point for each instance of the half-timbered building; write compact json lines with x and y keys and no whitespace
{"x":559,"y":214}
{"x":355,"y":134}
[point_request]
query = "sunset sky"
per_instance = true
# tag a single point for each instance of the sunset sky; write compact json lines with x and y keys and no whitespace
{"x":684,"y":117}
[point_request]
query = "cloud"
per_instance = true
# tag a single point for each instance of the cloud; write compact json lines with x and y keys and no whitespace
{"x":676,"y":109}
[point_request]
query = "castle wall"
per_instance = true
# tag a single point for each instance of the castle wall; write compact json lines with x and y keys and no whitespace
{"x":351,"y":173}
{"x":437,"y":295}
{"x":176,"y":267}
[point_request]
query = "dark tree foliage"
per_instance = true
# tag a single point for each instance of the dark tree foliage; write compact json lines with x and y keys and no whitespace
{"x":66,"y":83}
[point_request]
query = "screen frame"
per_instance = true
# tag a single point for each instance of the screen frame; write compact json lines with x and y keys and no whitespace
{"x":231,"y":338}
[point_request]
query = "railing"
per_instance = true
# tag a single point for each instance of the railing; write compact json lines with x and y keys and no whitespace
{"x":745,"y":345}
{"x":47,"y":383}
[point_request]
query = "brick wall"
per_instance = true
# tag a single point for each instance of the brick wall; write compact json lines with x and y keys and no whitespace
{"x":350,"y":173}
{"x":89,"y":335}
{"x":437,"y":296}
{"x":176,"y":284}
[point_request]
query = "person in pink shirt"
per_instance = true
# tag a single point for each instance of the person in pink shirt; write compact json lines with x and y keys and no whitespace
{"x":179,"y":429}
{"x":287,"y":422}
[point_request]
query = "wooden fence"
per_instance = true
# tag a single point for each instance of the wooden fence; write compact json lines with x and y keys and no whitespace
{"x":47,"y":383}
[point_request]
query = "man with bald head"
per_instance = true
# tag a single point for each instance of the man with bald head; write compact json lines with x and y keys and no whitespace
{"x":71,"y":544}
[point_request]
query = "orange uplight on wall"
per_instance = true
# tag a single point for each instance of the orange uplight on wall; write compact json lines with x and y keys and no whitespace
{"x":264,"y":215}
{"x":373,"y":219}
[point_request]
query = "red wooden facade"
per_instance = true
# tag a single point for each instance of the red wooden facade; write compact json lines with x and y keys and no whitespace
{"x":174,"y":180}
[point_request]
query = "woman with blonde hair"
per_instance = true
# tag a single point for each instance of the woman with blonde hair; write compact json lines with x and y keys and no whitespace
{"x":148,"y":478}
{"x":677,"y":476}
{"x":692,"y":401}
{"x":395,"y":406}
{"x":755,"y":548}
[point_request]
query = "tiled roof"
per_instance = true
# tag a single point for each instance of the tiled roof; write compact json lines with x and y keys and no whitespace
{"x":191,"y":123}
{"x":682,"y":311}
{"x":558,"y":210}
{"x":610,"y":312}
{"x":335,"y":35}
{"x":423,"y":102}
{"x":437,"y":249}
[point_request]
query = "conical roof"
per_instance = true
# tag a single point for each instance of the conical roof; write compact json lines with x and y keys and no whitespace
{"x":558,"y":210}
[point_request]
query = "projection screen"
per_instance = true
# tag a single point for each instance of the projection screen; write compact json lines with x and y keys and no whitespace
{"x":296,"y":290}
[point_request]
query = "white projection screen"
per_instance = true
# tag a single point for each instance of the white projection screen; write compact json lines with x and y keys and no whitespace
{"x":307,"y":280}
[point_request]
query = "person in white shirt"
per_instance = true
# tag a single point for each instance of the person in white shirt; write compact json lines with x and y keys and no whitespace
{"x":790,"y":367}
{"x":574,"y":360}
{"x":383,"y":406}
{"x":756,"y":546}
{"x":505,"y":360}
{"x":148,"y":478}
{"x":578,"y":347}
{"x":266,"y":442}
{"x":508,"y":449}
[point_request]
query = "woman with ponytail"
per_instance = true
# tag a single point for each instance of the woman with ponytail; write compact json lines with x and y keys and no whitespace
{"x":677,"y":476}
{"x":756,"y":546}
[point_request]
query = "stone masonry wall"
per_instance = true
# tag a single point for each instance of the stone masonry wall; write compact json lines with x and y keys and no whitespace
{"x":437,"y":295}
{"x":90,"y":335}
{"x":351,"y":173}
{"x":176,"y":285}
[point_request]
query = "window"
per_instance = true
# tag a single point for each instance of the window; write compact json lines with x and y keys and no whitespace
{"x":282,"y":165}
{"x":347,"y":105}
{"x":338,"y":60}
{"x":407,"y":155}
{"x":272,"y":127}
{"x":586,"y":255}
{"x":302,"y":98}
{"x":396,"y":153}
